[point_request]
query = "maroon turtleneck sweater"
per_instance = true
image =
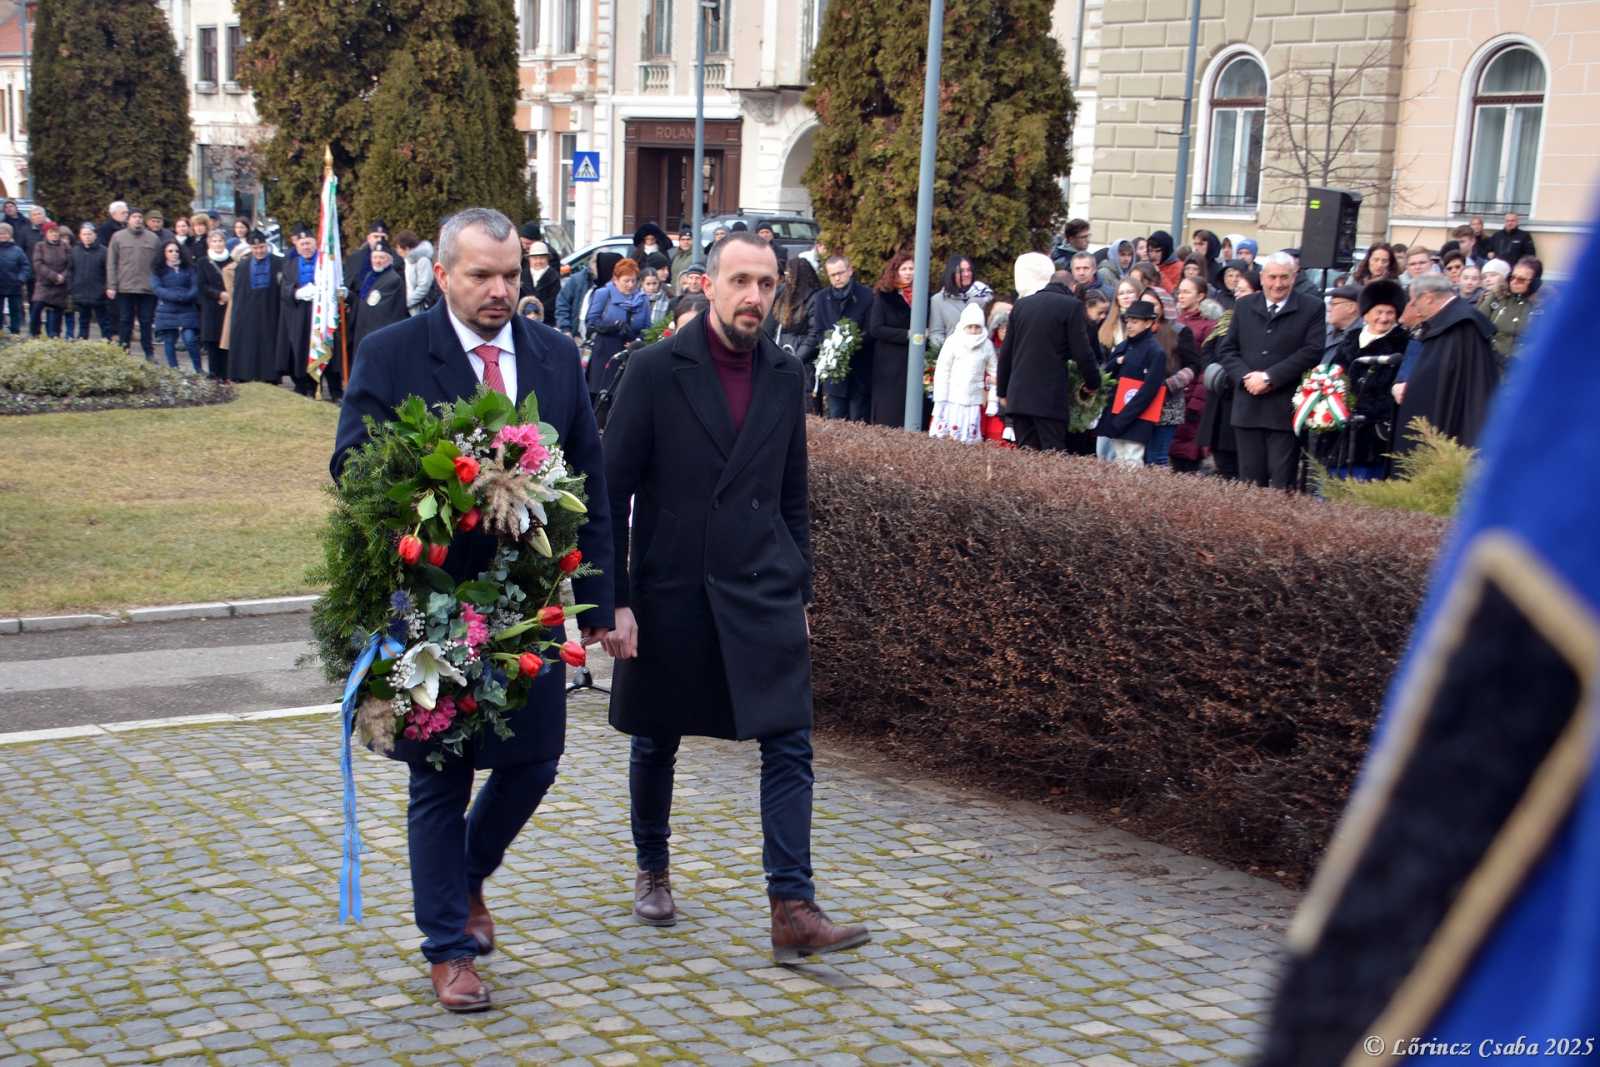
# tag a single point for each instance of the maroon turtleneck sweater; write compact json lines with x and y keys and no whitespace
{"x":735,"y":372}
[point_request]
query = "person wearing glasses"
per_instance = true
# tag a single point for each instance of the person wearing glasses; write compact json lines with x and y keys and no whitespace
{"x":1514,"y":310}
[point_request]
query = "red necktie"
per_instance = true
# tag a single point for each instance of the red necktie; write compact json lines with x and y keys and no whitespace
{"x":491,"y":367}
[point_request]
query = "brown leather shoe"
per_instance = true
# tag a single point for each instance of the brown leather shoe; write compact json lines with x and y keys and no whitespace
{"x":800,"y":929}
{"x":458,"y":987}
{"x":652,"y":898}
{"x":480,"y":924}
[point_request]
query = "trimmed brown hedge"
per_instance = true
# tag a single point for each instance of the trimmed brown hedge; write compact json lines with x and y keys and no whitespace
{"x":1201,"y":660}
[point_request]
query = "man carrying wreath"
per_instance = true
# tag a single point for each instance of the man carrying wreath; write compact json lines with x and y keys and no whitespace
{"x":708,"y":441}
{"x":472,"y":337}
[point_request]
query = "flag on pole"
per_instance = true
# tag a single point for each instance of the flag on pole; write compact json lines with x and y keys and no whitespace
{"x":329,"y":280}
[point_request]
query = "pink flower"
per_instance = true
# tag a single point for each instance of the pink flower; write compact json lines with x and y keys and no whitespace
{"x":477,"y":626}
{"x":525,"y":435}
{"x":444,"y":712}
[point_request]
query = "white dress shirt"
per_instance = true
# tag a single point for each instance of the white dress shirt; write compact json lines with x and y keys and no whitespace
{"x":502,"y":341}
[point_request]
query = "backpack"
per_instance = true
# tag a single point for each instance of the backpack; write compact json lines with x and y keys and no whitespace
{"x":434,"y":294}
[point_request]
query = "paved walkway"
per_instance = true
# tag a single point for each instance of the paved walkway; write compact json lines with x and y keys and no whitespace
{"x":169,"y":895}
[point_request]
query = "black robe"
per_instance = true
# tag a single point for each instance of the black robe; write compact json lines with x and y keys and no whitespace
{"x":211,"y":307}
{"x":253,"y":332}
{"x":390,"y":290}
{"x":1454,"y":377}
{"x":294,"y":321}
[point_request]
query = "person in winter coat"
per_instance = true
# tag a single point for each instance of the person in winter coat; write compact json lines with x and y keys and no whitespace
{"x":1371,"y":358}
{"x":16,"y":276}
{"x":963,"y":380}
{"x":1048,"y":327}
{"x":889,"y":326}
{"x":89,"y":284}
{"x":656,"y":295}
{"x":1160,"y":249}
{"x":573,"y":292}
{"x":418,"y":256}
{"x":1513,"y":311}
{"x":648,"y":240}
{"x":618,"y":313}
{"x":177,"y":305}
{"x":214,"y":302}
{"x":545,"y":280}
{"x":133,"y":256}
{"x":1183,"y":370}
{"x":789,"y":325}
{"x":230,"y":271}
{"x":1140,"y":367}
{"x":253,"y":322}
{"x":297,"y":292}
{"x":1118,"y":262}
{"x":845,"y":298}
{"x":52,"y":276}
{"x":1205,"y":245}
{"x":1191,"y":294}
{"x":1451,"y":369}
{"x":958,"y":289}
{"x":381,"y":300}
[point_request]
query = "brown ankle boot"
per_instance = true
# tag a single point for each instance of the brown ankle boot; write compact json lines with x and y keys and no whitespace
{"x":458,"y":987}
{"x":480,"y":924}
{"x":800,"y":929}
{"x":652,"y":898}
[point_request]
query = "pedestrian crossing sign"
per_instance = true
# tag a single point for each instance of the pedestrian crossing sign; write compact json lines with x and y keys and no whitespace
{"x":586,"y":166}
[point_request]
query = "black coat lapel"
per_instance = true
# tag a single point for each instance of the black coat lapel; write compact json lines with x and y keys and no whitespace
{"x":698,"y":379}
{"x":773,"y":388}
{"x":451,"y":370}
{"x":531,"y":356}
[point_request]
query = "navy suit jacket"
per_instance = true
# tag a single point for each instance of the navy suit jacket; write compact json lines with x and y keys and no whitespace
{"x":423,"y":356}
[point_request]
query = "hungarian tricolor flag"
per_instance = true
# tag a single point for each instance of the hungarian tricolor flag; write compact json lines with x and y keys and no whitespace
{"x":329,"y":280}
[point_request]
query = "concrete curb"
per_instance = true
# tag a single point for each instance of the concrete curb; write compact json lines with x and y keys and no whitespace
{"x":218,"y":609}
{"x":63,"y":733}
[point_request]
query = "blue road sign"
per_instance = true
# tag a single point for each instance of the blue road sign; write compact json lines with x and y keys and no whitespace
{"x":586,"y":166}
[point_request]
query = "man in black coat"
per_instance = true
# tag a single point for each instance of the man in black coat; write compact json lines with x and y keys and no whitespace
{"x":1276,"y":336}
{"x":253,"y":354}
{"x":297,"y":290}
{"x":708,"y":441}
{"x":472,"y":336}
{"x":1047,"y":329}
{"x":1513,"y":242}
{"x":845,"y":298}
{"x":1453,"y":377}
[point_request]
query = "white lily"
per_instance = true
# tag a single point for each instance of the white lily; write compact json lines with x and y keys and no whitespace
{"x":420,"y":670}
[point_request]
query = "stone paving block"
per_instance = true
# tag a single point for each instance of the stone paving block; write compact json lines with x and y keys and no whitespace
{"x":209,"y":879}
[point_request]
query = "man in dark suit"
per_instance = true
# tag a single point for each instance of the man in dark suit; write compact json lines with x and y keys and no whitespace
{"x":708,"y":440}
{"x":472,"y":336}
{"x":1277,"y":336}
{"x":1048,"y":329}
{"x":845,"y":298}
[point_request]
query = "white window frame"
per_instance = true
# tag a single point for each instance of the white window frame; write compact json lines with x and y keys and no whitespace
{"x":1466,"y":121}
{"x":530,"y":28}
{"x":1201,"y":154}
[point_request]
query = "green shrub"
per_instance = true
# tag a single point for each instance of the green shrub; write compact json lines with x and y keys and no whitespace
{"x":1199,"y":660}
{"x":45,"y":367}
{"x":1430,"y":478}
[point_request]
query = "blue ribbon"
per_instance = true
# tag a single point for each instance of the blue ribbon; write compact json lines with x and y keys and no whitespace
{"x":350,"y":870}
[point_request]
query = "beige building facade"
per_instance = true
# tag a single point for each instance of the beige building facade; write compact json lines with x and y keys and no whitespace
{"x":1442,"y":109}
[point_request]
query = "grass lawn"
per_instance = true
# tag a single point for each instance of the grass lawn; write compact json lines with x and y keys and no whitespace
{"x":121,"y":509}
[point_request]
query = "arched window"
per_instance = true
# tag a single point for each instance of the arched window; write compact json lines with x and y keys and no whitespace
{"x":1237,"y":121}
{"x":1507,"y":118}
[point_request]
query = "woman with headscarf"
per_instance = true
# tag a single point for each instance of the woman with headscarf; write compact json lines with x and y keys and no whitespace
{"x":963,"y":380}
{"x":959,"y":288}
{"x":889,"y":326}
{"x":1513,"y":311}
{"x":618,"y":313}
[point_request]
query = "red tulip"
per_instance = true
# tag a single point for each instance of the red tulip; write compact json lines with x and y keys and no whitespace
{"x":436,"y":554}
{"x":554,"y":615}
{"x":466,"y":469}
{"x":467,"y":704}
{"x":573,"y":654}
{"x":571,"y":561}
{"x":530,"y":664}
{"x":409,"y":549}
{"x":469,"y":521}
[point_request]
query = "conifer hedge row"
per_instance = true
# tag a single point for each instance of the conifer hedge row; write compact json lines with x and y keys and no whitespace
{"x":1204,"y":658}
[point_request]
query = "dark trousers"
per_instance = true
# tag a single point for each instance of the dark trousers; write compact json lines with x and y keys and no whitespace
{"x":1048,"y":435}
{"x":35,"y":313}
{"x":454,"y":850}
{"x":1267,"y":457}
{"x":786,"y":781}
{"x":143,"y":307}
{"x":13,"y":309}
{"x":52,"y":319}
{"x":91,"y":313}
{"x":857,"y":406}
{"x":216,"y":360}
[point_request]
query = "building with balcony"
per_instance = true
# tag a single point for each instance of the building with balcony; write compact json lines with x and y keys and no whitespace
{"x":226,"y":129}
{"x":14,"y":46}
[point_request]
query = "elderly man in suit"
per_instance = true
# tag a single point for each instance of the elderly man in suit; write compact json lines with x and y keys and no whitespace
{"x":708,"y":440}
{"x":1277,"y":336}
{"x":472,"y":337}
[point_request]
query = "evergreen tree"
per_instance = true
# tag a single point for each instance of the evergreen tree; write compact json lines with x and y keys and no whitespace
{"x":108,"y":117}
{"x":444,"y":132}
{"x":313,"y":67}
{"x":1005,"y":128}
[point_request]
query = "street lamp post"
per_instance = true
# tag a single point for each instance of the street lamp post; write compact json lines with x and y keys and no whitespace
{"x":1180,"y":187}
{"x":697,"y":210}
{"x":916,"y":351}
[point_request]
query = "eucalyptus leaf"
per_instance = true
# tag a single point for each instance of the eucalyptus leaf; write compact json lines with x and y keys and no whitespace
{"x":428,"y":507}
{"x":483,"y":594}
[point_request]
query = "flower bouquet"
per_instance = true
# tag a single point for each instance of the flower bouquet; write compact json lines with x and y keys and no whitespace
{"x":1322,"y":403}
{"x":930,"y":366}
{"x":1085,"y":413}
{"x":842,"y":341}
{"x":430,"y":658}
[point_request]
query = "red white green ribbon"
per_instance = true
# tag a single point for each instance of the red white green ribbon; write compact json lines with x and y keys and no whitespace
{"x":1322,"y":403}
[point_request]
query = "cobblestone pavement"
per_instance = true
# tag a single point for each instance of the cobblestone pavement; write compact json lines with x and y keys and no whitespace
{"x":170,"y":895}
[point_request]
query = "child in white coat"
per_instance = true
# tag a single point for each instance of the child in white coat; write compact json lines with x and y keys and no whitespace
{"x":963,"y":380}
